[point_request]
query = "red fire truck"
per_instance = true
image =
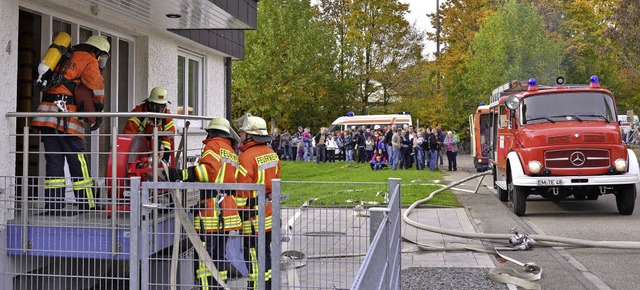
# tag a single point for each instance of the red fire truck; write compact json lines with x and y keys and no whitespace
{"x":559,"y":141}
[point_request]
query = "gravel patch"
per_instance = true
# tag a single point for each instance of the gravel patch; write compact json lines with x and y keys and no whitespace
{"x":421,"y":278}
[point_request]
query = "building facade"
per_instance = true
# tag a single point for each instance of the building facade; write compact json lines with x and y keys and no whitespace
{"x":185,"y":46}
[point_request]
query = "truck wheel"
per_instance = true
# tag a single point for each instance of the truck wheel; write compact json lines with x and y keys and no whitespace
{"x":580,"y":196}
{"x":626,"y":199}
{"x":519,"y":200}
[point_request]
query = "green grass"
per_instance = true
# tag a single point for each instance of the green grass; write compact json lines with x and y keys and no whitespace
{"x":347,"y":184}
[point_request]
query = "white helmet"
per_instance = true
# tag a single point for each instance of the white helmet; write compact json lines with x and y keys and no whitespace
{"x":252,"y":125}
{"x":255,"y":126}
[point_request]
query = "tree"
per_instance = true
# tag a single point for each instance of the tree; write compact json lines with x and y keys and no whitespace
{"x":623,"y":38}
{"x":511,"y":45}
{"x":460,"y":20}
{"x":375,"y":43}
{"x":288,"y":74}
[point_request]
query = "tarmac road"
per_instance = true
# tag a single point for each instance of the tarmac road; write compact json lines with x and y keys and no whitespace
{"x":563,"y":268}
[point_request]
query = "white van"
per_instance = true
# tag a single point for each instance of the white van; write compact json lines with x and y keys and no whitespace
{"x":370,"y":121}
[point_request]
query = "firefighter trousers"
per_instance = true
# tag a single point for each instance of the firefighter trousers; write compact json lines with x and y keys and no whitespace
{"x":250,"y":245}
{"x":215,"y":243}
{"x":58,"y":149}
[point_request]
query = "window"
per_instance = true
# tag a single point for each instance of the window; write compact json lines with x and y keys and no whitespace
{"x":189,"y":86}
{"x":568,"y":106}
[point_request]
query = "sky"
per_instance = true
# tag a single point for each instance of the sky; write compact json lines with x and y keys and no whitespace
{"x":418,"y":15}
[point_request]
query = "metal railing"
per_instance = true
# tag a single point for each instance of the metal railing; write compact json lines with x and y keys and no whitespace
{"x":128,"y":242}
{"x":382,"y":264}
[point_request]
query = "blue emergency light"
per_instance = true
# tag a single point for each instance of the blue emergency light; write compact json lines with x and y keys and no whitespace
{"x":350,"y":114}
{"x":533,"y":85}
{"x":594,"y":82}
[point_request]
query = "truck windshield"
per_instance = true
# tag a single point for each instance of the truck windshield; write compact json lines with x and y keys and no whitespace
{"x":574,"y":106}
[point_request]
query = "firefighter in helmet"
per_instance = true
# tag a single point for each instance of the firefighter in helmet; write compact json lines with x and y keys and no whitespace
{"x":217,"y":217}
{"x":258,"y":164}
{"x":66,"y":134}
{"x":155,"y":103}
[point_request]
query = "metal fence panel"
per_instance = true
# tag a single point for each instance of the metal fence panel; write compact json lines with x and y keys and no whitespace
{"x":326,"y":238}
{"x":381,"y":266}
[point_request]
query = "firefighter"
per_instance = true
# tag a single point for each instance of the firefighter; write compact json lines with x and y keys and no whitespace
{"x":155,"y":103}
{"x":258,"y":164}
{"x":66,"y":134}
{"x":217,"y":217}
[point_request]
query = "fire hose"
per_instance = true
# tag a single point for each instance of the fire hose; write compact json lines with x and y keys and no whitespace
{"x":503,"y":274}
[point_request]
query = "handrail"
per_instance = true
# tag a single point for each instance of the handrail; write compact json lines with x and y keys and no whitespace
{"x":105,"y":114}
{"x":25,"y":135}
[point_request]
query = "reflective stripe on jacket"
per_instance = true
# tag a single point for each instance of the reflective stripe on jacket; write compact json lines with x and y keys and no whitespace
{"x":218,"y":164}
{"x":135,"y":125}
{"x":259,"y":164}
{"x":83,"y":67}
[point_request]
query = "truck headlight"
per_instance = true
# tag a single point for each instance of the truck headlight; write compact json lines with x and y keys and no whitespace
{"x":535,"y":166}
{"x":620,"y":164}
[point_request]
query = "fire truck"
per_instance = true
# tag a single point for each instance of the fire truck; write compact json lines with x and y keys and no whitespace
{"x":480,"y":136}
{"x":558,"y":142}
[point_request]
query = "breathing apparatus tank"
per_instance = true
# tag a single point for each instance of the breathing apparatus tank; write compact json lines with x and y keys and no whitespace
{"x":60,"y":44}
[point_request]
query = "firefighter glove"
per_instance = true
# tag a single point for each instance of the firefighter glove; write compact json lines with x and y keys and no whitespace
{"x":97,"y":124}
{"x":175,"y":174}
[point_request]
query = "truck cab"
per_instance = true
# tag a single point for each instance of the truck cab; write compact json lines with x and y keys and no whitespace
{"x":558,"y":142}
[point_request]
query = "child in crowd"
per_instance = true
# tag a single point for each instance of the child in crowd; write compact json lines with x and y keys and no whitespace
{"x":378,"y":161}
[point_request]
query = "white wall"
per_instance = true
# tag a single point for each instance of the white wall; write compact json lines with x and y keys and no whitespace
{"x":8,"y":83}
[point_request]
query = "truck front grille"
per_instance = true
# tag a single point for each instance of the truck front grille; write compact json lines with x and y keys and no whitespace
{"x":577,"y":158}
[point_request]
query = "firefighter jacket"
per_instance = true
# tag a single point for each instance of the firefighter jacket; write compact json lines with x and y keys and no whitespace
{"x":83,"y":68}
{"x":143,"y":125}
{"x":218,"y":164}
{"x":258,"y":164}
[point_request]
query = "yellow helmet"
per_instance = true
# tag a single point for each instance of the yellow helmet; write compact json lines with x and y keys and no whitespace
{"x":158,"y":95}
{"x":99,"y":42}
{"x":220,"y":124}
{"x":252,"y":125}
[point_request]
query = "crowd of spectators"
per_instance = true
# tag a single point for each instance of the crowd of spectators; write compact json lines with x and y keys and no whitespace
{"x":381,"y":147}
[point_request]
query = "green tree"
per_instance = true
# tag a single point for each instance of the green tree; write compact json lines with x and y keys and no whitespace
{"x":288,"y":74}
{"x":460,"y":20}
{"x":623,"y":38}
{"x":375,"y":44}
{"x":511,"y":45}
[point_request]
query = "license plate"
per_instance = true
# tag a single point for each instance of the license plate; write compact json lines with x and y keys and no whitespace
{"x":550,"y":182}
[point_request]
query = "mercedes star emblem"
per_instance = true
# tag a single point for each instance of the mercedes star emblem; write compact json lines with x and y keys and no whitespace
{"x":577,"y":158}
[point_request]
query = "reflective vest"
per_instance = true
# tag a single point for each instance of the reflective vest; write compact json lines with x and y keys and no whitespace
{"x":258,"y":164}
{"x":218,"y":164}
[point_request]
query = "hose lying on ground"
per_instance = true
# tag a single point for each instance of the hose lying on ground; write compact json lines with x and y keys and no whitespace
{"x":504,"y":274}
